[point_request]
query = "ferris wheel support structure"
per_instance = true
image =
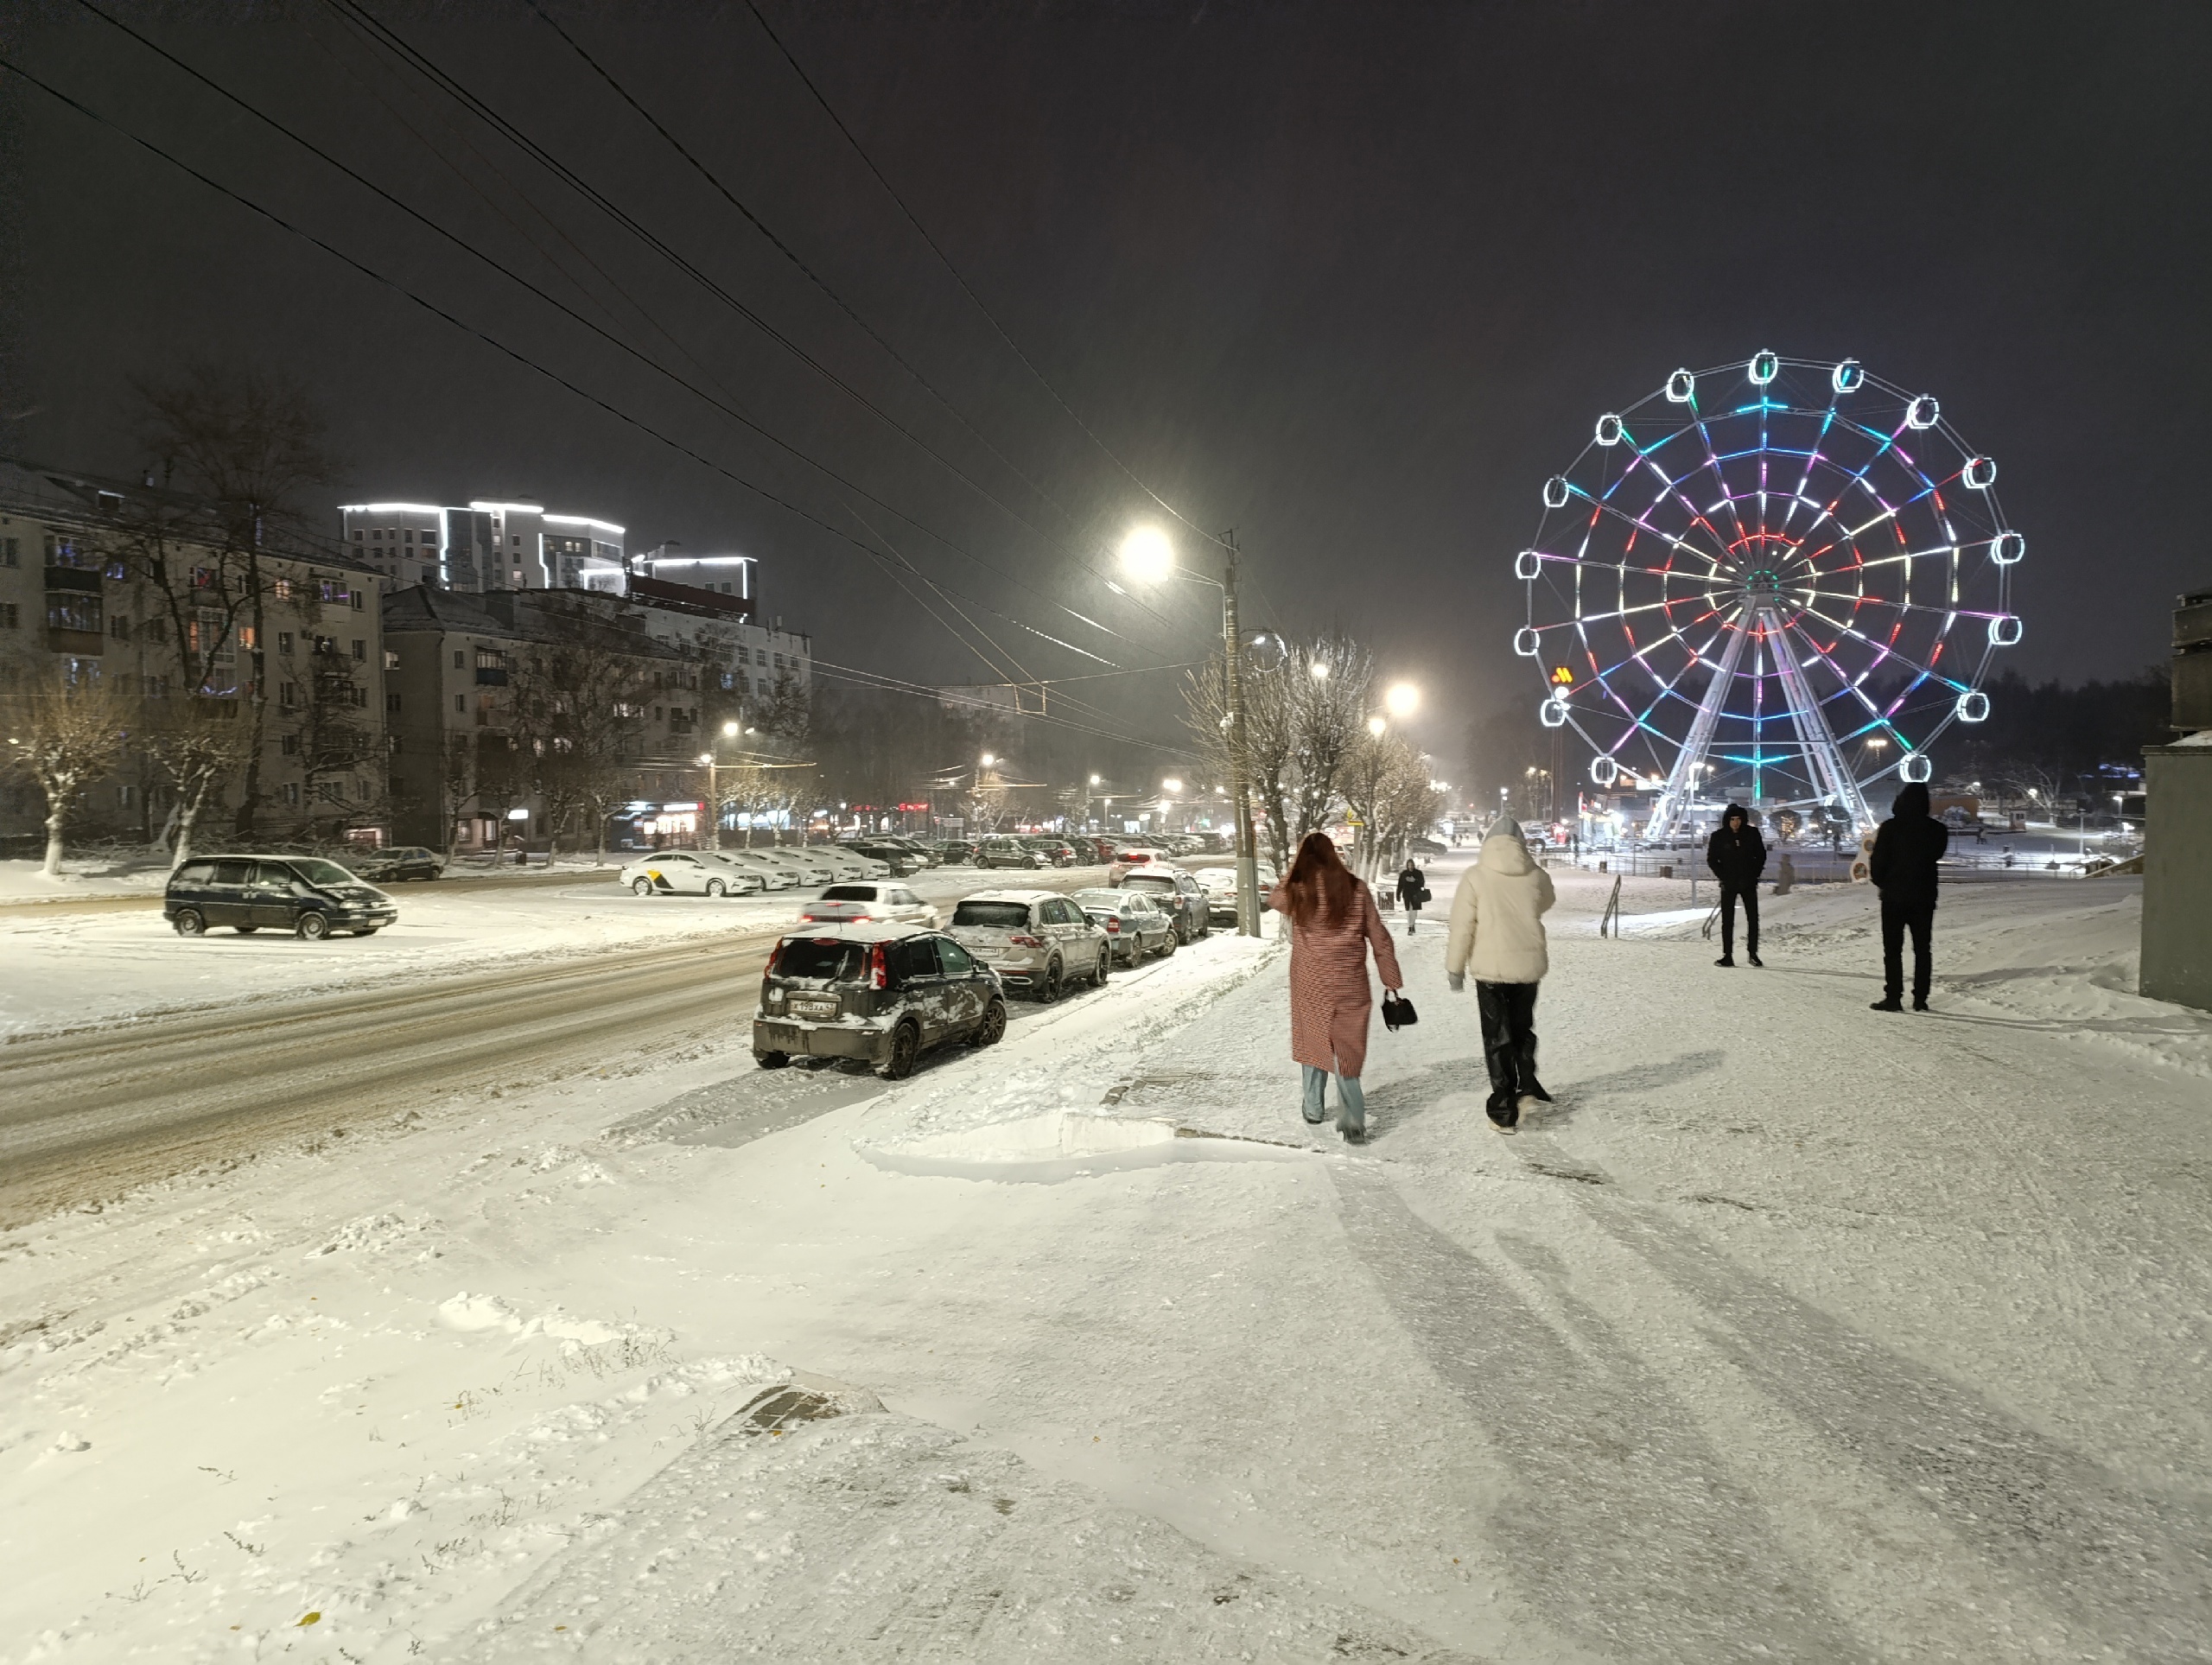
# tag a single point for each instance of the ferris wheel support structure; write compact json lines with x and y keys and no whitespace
{"x":1824,"y":759}
{"x":1689,"y":762}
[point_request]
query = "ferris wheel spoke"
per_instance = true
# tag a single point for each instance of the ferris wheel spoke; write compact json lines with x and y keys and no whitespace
{"x":1885,"y":651}
{"x":1671,"y":485}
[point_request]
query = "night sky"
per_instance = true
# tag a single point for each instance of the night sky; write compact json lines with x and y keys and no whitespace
{"x":1352,"y":279}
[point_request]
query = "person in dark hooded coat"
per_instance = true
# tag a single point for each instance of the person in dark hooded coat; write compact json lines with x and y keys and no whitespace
{"x":1736,"y":856}
{"x":1907,"y":847}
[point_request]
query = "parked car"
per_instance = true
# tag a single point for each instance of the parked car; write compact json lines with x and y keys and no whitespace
{"x":1095,"y":849}
{"x":1034,"y":939}
{"x":304,"y":895}
{"x":1008,"y":852}
{"x":1178,"y":895}
{"x":877,"y":994}
{"x":1056,"y":851}
{"x":399,"y":863}
{"x":687,"y":872}
{"x":867,"y":903}
{"x":1132,"y":925}
{"x":1220,"y":886}
{"x":900,"y":840}
{"x":952,"y":852}
{"x":897,"y":857}
{"x":775,"y":872}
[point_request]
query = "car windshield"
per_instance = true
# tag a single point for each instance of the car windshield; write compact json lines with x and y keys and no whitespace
{"x":848,"y":893}
{"x":317,"y":871}
{"x":825,"y":957}
{"x":992,"y":916}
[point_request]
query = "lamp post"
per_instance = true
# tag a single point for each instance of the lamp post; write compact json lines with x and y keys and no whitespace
{"x":1148,"y":557}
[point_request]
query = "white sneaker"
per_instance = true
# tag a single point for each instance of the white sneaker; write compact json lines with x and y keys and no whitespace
{"x":1529,"y":1103}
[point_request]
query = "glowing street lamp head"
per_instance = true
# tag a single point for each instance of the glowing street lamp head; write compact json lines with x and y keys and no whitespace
{"x":1171,"y":785}
{"x":730,"y":728}
{"x":987,"y":759}
{"x":1095,"y":780}
{"x":1402,"y":700}
{"x":1376,"y":725}
{"x":1147,"y":555}
{"x":706,"y":757}
{"x":1318,"y":670}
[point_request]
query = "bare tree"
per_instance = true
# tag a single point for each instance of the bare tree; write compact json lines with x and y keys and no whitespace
{"x":64,"y":736}
{"x":198,"y":743}
{"x":250,"y":448}
{"x":578,"y":709}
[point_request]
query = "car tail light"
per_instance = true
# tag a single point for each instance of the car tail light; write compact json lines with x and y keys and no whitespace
{"x":1026,"y":942}
{"x":774,"y":955}
{"x":810,"y":918}
{"x":879,"y":968}
{"x":1113,"y":926}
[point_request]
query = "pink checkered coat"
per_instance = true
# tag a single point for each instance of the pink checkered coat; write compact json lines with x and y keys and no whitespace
{"x":1330,"y":996}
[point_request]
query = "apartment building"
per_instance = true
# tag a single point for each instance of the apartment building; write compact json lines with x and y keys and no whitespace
{"x":484,"y":546}
{"x":104,"y":581}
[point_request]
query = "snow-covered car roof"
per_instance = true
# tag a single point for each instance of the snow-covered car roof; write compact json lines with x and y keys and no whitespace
{"x":831,"y":930}
{"x":1011,"y":896}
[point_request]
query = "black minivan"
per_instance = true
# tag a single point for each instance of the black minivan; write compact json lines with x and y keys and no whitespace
{"x":304,"y":894}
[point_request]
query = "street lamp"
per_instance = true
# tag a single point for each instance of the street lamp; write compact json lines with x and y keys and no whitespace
{"x":1376,"y":725}
{"x":1319,"y":670}
{"x":714,"y":804}
{"x":1149,"y":557}
{"x":1402,"y":701}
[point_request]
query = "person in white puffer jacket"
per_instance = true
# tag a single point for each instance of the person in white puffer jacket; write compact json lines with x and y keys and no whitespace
{"x":1498,"y":934}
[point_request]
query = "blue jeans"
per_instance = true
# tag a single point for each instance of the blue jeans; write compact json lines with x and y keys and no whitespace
{"x":1352,"y":1103}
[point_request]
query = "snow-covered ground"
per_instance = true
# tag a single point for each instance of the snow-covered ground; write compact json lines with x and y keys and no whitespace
{"x":65,"y":969}
{"x":1792,"y":1330}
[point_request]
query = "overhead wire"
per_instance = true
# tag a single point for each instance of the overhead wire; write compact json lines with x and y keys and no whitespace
{"x":484,"y":111}
{"x":570,"y":312}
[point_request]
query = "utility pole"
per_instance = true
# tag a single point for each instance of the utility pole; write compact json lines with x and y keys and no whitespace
{"x":1248,"y":854}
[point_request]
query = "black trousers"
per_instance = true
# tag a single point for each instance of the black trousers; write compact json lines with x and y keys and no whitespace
{"x":1898,"y":918}
{"x":1509,"y":1014}
{"x":1749,"y":895}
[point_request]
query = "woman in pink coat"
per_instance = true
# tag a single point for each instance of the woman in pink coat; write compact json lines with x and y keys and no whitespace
{"x":1333,"y":924}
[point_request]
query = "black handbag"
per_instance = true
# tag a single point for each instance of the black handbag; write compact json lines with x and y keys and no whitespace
{"x":1398,"y":1011}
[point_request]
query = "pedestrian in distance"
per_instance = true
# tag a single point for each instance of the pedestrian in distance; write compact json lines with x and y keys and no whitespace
{"x":1497,"y":937}
{"x":1736,"y":856}
{"x":1412,"y":891}
{"x":1333,"y":924}
{"x":1901,"y":864}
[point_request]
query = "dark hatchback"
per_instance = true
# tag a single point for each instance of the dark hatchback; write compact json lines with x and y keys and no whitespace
{"x":874,"y":995}
{"x":304,"y":894}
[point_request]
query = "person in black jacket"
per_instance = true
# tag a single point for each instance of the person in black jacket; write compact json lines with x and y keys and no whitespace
{"x":1412,"y":891}
{"x":1736,"y":856}
{"x":1902,"y":867}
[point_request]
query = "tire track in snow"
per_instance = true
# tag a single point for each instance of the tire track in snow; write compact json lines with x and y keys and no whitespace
{"x":1627,"y":1531}
{"x":2131,"y":1568}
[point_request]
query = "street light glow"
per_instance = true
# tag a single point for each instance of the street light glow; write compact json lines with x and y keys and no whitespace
{"x":730,"y":728}
{"x":987,"y":759}
{"x":1171,"y":785}
{"x":1402,"y":701}
{"x":1147,"y":555}
{"x":706,"y":757}
{"x":1375,"y":726}
{"x":1318,"y":670}
{"x":1095,"y":780}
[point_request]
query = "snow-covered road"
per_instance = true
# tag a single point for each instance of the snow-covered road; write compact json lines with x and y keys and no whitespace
{"x":1794,"y":1330}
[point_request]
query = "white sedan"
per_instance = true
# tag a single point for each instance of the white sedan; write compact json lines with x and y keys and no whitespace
{"x":777,"y":875}
{"x":687,"y":872}
{"x":868,"y":904}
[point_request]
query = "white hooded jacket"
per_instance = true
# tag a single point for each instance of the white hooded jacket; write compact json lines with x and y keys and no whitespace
{"x":1497,"y":924}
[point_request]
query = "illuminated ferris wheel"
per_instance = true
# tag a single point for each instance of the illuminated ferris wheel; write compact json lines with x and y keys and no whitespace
{"x":1777,"y":580}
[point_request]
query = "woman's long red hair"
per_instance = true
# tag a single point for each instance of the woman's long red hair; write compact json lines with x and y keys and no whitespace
{"x":1319,"y":881}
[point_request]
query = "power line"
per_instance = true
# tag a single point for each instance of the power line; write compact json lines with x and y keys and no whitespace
{"x":965,"y":288}
{"x":561,"y":307}
{"x":460,"y":91}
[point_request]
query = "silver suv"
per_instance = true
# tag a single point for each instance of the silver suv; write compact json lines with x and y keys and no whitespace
{"x":1036,"y":940}
{"x":873,"y":995}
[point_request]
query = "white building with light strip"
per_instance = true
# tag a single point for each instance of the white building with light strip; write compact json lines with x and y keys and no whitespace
{"x":485,"y":545}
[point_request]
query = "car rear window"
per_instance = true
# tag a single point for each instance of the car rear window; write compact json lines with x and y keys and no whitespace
{"x":825,"y":957}
{"x":848,"y":893}
{"x":992,"y":916}
{"x":1159,"y":881}
{"x":1108,"y":899}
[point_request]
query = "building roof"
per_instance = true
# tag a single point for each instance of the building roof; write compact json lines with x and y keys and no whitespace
{"x":563,"y":618}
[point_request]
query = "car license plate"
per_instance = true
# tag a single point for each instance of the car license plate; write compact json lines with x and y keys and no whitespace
{"x":814,"y":1008}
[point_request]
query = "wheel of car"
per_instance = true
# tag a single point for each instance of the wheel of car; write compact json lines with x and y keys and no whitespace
{"x":312,"y":927}
{"x":905,"y":1047}
{"x":190,"y":922}
{"x":1098,"y":976}
{"x":772,"y":1060}
{"x":992,"y":1029}
{"x":1035,"y":859}
{"x":1182,"y":933}
{"x":642,"y":887}
{"x":1167,"y":947}
{"x":1048,"y":990}
{"x":245,"y":931}
{"x":715,"y":887}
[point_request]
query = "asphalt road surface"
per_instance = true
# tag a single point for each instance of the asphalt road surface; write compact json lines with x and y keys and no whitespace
{"x":86,"y":1116}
